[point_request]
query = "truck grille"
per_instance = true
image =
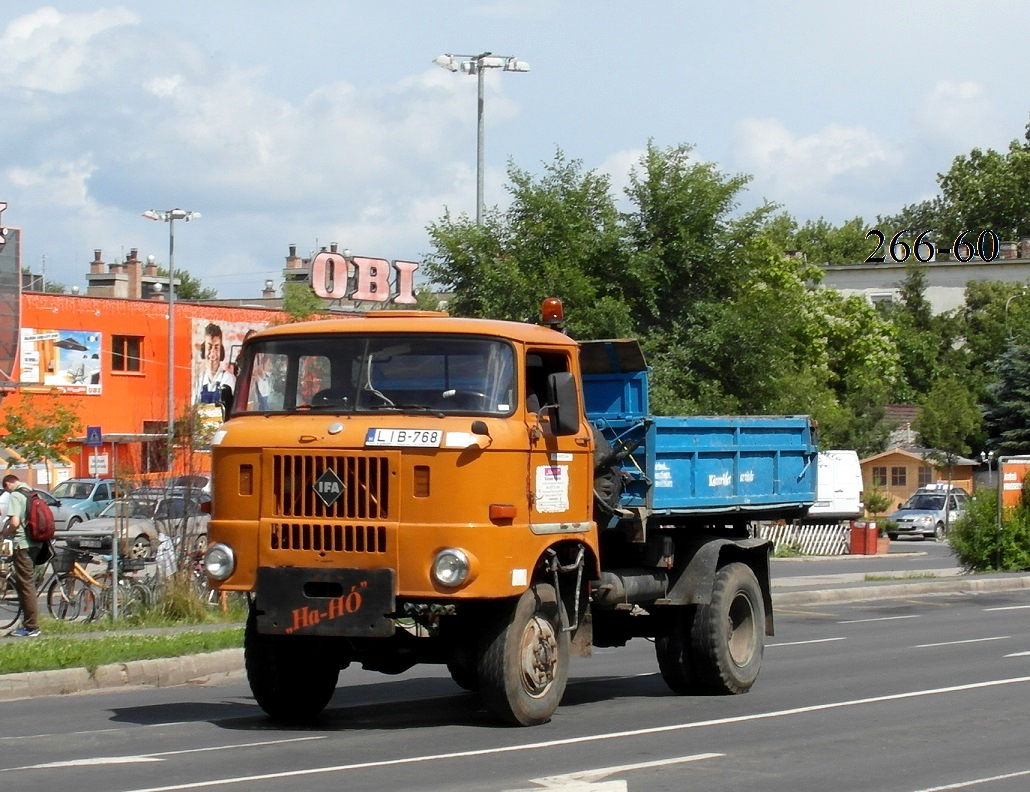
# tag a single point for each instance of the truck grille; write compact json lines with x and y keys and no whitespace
{"x":329,"y":538}
{"x":365,"y":487}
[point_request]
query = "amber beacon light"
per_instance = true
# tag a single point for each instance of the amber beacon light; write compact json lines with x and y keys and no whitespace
{"x":552,"y":312}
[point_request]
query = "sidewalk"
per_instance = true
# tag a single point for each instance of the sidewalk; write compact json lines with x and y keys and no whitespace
{"x":787,"y":591}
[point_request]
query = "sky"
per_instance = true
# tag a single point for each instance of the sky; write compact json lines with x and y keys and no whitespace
{"x":319,"y":121}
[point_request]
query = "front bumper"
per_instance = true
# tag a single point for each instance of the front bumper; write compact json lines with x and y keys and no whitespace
{"x":335,"y":602}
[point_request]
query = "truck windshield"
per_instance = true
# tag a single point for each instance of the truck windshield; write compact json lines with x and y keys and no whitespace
{"x":389,"y":372}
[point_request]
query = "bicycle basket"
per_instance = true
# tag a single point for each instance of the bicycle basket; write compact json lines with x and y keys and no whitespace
{"x":131,"y":564}
{"x":65,"y":558}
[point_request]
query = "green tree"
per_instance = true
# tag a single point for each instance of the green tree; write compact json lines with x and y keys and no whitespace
{"x":560,"y":236}
{"x":1007,"y":408}
{"x":188,"y":287}
{"x":39,"y":427}
{"x":983,"y":190}
{"x":300,"y":301}
{"x":820,"y":241}
{"x":949,"y":421}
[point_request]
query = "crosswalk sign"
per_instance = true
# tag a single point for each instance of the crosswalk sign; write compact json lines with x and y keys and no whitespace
{"x":93,"y":436}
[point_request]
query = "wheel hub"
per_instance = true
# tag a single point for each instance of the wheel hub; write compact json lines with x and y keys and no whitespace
{"x":539,"y":653}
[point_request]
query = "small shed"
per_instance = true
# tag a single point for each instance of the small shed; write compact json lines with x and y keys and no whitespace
{"x":901,"y":471}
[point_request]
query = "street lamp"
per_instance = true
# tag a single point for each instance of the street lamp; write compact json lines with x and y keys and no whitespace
{"x":477,"y":65}
{"x":1010,"y":299}
{"x":170,"y":216}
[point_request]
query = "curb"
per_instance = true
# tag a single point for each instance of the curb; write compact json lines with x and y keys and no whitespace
{"x":901,"y":590}
{"x":161,"y":672}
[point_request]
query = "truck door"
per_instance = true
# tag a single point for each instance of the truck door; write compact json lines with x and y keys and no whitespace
{"x":559,"y":479}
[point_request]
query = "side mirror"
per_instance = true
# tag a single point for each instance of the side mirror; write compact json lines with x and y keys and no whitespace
{"x":563,"y":403}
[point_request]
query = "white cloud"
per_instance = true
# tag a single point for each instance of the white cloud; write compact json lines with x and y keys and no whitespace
{"x":959,"y":115}
{"x":816,"y":169}
{"x":59,"y":53}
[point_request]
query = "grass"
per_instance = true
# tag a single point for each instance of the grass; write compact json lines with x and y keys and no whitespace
{"x":88,"y":645}
{"x":54,"y":651}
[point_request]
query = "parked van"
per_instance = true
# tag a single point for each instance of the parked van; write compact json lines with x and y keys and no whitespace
{"x":838,"y":488}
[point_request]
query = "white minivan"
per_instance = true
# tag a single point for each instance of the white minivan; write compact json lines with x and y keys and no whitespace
{"x":838,"y":488}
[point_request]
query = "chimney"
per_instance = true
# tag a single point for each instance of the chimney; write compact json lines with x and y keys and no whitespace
{"x":134,"y":265}
{"x":269,"y":291}
{"x":97,"y":264}
{"x":332,"y":247}
{"x":150,"y":268}
{"x":293,"y":261}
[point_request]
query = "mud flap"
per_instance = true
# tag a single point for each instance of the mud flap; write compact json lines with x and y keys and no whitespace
{"x":342,"y":602}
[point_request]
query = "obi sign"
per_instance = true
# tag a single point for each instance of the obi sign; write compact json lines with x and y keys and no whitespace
{"x":337,"y":277}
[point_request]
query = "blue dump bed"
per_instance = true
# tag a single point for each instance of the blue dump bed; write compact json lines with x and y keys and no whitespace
{"x":763,"y":465}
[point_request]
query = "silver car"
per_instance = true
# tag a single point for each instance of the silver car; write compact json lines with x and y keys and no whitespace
{"x":139,"y":518}
{"x":929,"y":512}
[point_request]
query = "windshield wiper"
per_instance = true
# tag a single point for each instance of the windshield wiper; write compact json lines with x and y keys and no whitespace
{"x":407,"y":408}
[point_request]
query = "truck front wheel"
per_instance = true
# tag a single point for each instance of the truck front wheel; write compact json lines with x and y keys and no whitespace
{"x":524,"y":659}
{"x":728,"y":633}
{"x":289,"y":681}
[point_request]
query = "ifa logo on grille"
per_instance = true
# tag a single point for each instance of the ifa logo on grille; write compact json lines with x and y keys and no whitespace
{"x":328,"y":487}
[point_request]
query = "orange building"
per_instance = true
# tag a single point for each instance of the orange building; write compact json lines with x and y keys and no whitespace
{"x":107,"y":357}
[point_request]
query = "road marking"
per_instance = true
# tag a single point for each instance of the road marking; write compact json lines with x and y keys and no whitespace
{"x":1018,"y":654}
{"x":805,"y":643}
{"x":878,"y":619}
{"x":590,"y":738}
{"x":1008,"y":607}
{"x":975,"y":782}
{"x":786,"y":612}
{"x":586,"y":780}
{"x":964,"y":641}
{"x":156,"y":757}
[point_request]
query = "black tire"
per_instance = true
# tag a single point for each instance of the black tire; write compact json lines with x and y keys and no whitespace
{"x":938,"y":532}
{"x":290,"y":684}
{"x":673,"y":650}
{"x":72,"y":522}
{"x":892,"y":537}
{"x":728,"y":633}
{"x":524,"y":659}
{"x":10,"y":605}
{"x":463,"y":672}
{"x":70,"y":599}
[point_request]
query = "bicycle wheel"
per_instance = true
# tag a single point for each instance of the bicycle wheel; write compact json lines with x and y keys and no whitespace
{"x":10,"y":605}
{"x":69,"y":598}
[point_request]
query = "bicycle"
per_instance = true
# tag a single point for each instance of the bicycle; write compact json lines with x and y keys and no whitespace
{"x":74,"y":593}
{"x":10,"y":604}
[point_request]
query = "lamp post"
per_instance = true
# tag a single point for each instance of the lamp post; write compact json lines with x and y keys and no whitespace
{"x":170,"y":216}
{"x":1008,"y":332}
{"x":477,"y":65}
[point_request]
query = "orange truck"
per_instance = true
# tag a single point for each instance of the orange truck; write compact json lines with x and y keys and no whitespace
{"x":404,"y":487}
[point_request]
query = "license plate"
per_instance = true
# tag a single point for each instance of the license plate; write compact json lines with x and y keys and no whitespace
{"x":405,"y":438}
{"x":89,"y":543}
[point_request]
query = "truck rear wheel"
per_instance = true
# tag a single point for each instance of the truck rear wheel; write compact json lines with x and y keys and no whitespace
{"x":524,"y":660}
{"x":728,"y":634}
{"x":289,"y":683}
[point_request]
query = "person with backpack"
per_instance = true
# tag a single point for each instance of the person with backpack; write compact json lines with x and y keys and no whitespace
{"x":25,"y":552}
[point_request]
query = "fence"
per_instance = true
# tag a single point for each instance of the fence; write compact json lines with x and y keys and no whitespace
{"x":831,"y":538}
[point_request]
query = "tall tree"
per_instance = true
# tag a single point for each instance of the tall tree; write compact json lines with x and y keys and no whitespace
{"x":949,"y":420}
{"x":1007,"y":413}
{"x":983,"y":190}
{"x":189,"y":287}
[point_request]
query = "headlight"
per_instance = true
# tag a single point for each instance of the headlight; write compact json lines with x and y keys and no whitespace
{"x":451,"y":567}
{"x":219,"y":561}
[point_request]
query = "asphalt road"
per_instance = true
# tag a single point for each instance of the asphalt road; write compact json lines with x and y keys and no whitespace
{"x":903,"y":695}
